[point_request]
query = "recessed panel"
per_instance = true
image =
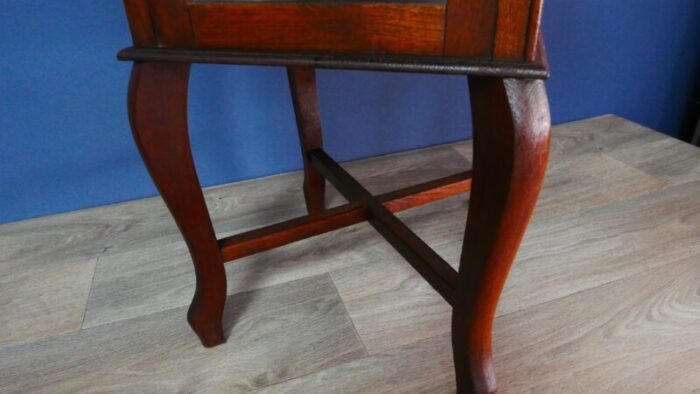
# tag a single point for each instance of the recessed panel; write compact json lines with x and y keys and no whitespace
{"x":346,"y":27}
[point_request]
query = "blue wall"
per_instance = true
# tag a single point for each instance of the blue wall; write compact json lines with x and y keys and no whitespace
{"x":65,"y":142}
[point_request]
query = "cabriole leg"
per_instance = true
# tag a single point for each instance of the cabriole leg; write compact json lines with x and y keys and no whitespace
{"x":158,"y":115}
{"x":511,"y":145}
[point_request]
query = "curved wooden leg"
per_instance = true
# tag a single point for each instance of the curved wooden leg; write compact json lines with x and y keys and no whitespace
{"x":158,"y":115}
{"x":511,"y":145}
{"x":302,"y":83}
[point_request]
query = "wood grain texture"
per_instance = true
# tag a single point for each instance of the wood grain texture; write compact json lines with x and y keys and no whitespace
{"x":283,"y":233}
{"x":171,"y":20}
{"x":318,"y":27}
{"x":277,"y":333}
{"x":436,"y":271}
{"x":669,"y":159}
{"x":578,"y":251}
{"x":36,"y":304}
{"x":372,"y":290}
{"x":588,"y":181}
{"x":603,"y":295}
{"x":512,"y":26}
{"x":470,"y":28}
{"x":639,"y":334}
{"x":421,"y":367}
{"x":534,"y":50}
{"x":511,"y":148}
{"x":318,"y":1}
{"x":158,"y":117}
{"x":491,"y":30}
{"x":302,"y":86}
{"x":384,"y":174}
{"x":149,"y":277}
{"x":603,"y":134}
{"x":140,"y":23}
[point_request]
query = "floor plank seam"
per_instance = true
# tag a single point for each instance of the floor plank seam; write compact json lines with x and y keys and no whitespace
{"x":668,"y":183}
{"x":87,"y":300}
{"x":598,"y":286}
{"x":352,"y":321}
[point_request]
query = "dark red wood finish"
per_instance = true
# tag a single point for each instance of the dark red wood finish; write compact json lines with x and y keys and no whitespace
{"x":302,"y":84}
{"x":158,"y":115}
{"x":491,"y":40}
{"x":428,"y":263}
{"x":511,"y":146}
{"x":503,"y":30}
{"x":377,"y":27}
{"x":279,"y":234}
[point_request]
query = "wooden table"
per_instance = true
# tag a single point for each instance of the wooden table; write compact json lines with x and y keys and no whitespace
{"x":497,"y":43}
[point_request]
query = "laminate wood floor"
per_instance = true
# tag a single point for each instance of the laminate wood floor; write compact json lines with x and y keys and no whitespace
{"x":604,"y":295}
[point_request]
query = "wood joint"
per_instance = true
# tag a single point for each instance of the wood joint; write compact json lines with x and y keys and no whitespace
{"x":378,"y":210}
{"x":434,"y":269}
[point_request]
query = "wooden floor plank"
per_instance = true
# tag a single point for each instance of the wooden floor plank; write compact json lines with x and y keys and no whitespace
{"x":392,"y":306}
{"x":603,"y":295}
{"x":421,"y":367}
{"x":276,"y":334}
{"x":603,"y":134}
{"x":637,"y":335}
{"x":389,"y":302}
{"x":671,"y":160}
{"x":39,"y":304}
{"x":590,"y":180}
{"x":154,"y":278}
{"x":578,"y":251}
{"x":643,"y":338}
{"x":135,"y":225}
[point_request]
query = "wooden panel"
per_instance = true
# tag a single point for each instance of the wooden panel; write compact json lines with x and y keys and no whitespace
{"x":507,"y":30}
{"x":315,"y":1}
{"x":535,"y":46}
{"x":315,"y":27}
{"x":140,"y":22}
{"x":470,"y":27}
{"x":172,"y":23}
{"x":511,"y":29}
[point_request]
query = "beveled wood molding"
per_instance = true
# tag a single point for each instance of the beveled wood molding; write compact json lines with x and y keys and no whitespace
{"x":397,"y":63}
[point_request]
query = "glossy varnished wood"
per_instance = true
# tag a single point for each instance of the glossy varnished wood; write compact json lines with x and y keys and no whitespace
{"x":405,"y":63}
{"x":158,"y":115}
{"x":470,"y":28}
{"x":320,"y":27}
{"x":511,"y":147}
{"x":283,"y":233}
{"x":441,"y":276}
{"x":511,"y":122}
{"x":512,"y":29}
{"x":302,"y":85}
{"x":140,"y":22}
{"x":171,"y":23}
{"x":491,"y":30}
